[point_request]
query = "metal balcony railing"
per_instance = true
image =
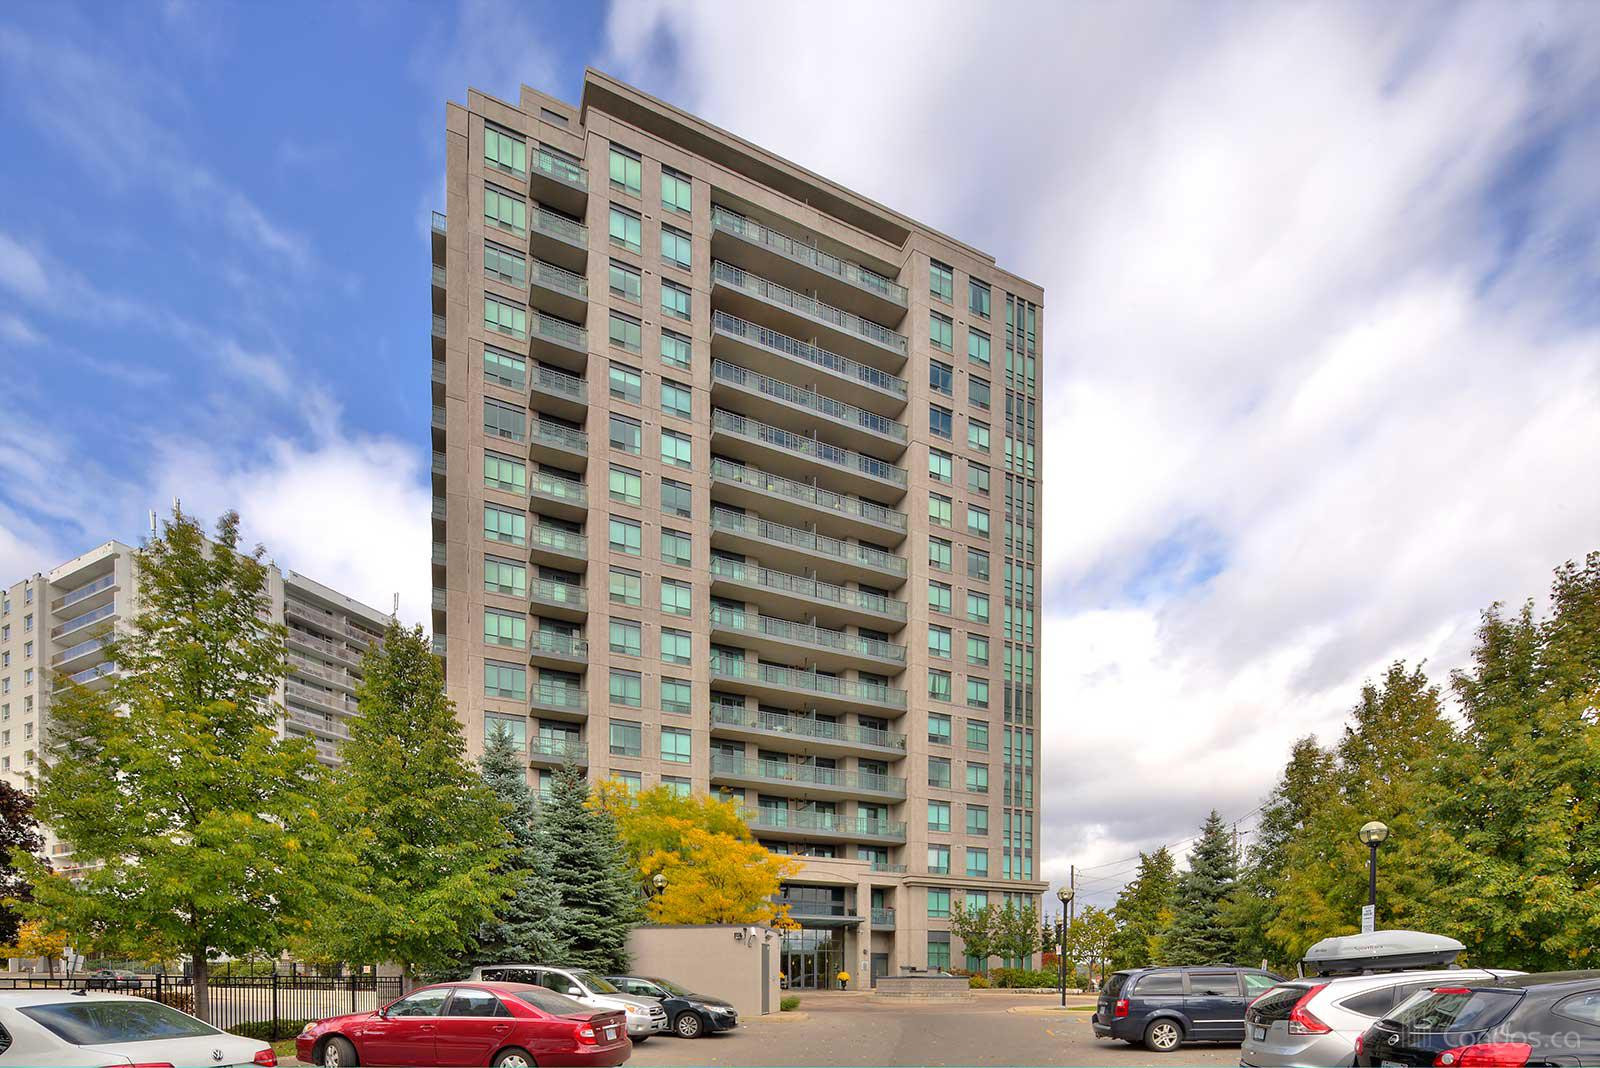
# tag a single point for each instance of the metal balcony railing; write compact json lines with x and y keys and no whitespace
{"x":563,"y":332}
{"x":805,"y":774}
{"x":553,"y":643}
{"x":755,"y":526}
{"x":438,"y":326}
{"x":805,"y":634}
{"x":438,"y":508}
{"x":561,"y":168}
{"x":805,"y":493}
{"x":852,"y":273}
{"x":552,"y":381}
{"x":849,"y":414}
{"x":555,"y":488}
{"x":844,"y":459}
{"x":559,"y":278}
{"x":439,"y":222}
{"x":806,"y":727}
{"x":565,"y":698}
{"x":559,"y":749}
{"x":782,"y":819}
{"x":557,"y":540}
{"x":558,"y":436}
{"x":849,"y":322}
{"x":810,"y":682}
{"x":800,"y":586}
{"x":796,"y":349}
{"x":551,"y":592}
{"x":882,"y":917}
{"x":548,"y":222}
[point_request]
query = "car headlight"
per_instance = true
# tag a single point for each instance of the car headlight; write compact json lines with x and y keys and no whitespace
{"x":306,"y":1030}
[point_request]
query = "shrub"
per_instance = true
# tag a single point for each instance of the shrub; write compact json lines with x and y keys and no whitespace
{"x":262,"y":1030}
{"x":789,"y":1004}
{"x":182,"y":1000}
{"x":977,"y":982}
{"x":1022,"y":978}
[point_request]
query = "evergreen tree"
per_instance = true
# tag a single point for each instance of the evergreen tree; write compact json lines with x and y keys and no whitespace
{"x":19,"y":837}
{"x":1197,"y":934}
{"x":423,"y":826}
{"x":530,"y":925}
{"x":1143,"y":909}
{"x":598,"y":895}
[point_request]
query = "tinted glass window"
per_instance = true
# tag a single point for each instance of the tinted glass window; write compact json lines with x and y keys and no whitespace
{"x":1115,"y":984}
{"x":1584,"y":1008}
{"x":1474,"y":1010}
{"x":92,"y":1023}
{"x":510,"y":975}
{"x":1374,"y":1003}
{"x":551,"y":1002}
{"x":1159,"y":983}
{"x":1276,"y":1004}
{"x":475,"y":1003}
{"x":1213,"y":984}
{"x":1255,"y":983}
{"x":422,"y":1003}
{"x":595,"y":983}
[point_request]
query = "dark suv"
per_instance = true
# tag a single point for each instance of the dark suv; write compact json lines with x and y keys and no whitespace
{"x":1166,"y":1007}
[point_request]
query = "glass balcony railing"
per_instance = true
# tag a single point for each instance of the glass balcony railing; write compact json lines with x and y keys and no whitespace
{"x":320,"y":697}
{"x":852,"y":273}
{"x":882,"y":917}
{"x":772,"y":818}
{"x":755,"y":526}
{"x":557,"y":540}
{"x":811,"y":682}
{"x":555,"y":488}
{"x":805,"y":634}
{"x":805,"y":493}
{"x":438,"y":417}
{"x":560,"y":698}
{"x":90,"y":674}
{"x":554,"y":643}
{"x":803,"y":398}
{"x":845,"y":459}
{"x":885,"y":866}
{"x":558,"y":436}
{"x":88,"y":619}
{"x":81,"y":649}
{"x":550,"y":276}
{"x":549,"y":380}
{"x":806,"y":727}
{"x":563,"y":332}
{"x":548,"y":222}
{"x":438,"y":508}
{"x":810,"y":588}
{"x":561,"y":168}
{"x":439,"y":466}
{"x":439,"y":223}
{"x":84,"y":592}
{"x":438,"y":327}
{"x":849,"y":322}
{"x":551,"y":592}
{"x":573,"y":752}
{"x":805,"y":774}
{"x":784,"y":345}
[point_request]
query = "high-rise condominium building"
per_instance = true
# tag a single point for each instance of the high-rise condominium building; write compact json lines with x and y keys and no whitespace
{"x":56,"y":623}
{"x":736,"y":478}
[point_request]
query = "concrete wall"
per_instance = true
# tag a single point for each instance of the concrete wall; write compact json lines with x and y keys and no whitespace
{"x":712,"y":961}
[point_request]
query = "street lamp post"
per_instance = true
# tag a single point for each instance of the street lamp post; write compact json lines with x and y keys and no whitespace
{"x":1066,"y":893}
{"x":1373,"y":835}
{"x":659,"y":883}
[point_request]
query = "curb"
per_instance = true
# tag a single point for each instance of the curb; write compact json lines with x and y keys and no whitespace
{"x":794,"y":1016}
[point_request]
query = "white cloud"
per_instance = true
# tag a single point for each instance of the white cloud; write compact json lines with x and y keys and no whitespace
{"x":15,"y":329}
{"x":1315,"y":389}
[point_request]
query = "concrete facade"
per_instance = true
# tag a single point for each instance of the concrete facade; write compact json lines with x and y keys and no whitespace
{"x":736,"y":963}
{"x":736,"y":482}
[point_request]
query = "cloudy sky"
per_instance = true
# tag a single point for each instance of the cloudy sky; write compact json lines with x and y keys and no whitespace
{"x":1322,"y":309}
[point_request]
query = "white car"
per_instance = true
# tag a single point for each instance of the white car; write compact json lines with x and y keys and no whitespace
{"x":81,"y":1029}
{"x":645,"y":1016}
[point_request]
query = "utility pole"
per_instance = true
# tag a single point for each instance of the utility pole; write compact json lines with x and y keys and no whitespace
{"x":1072,"y":881}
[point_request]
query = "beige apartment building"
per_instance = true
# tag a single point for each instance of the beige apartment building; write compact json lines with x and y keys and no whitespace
{"x":56,"y":624}
{"x":736,"y":484}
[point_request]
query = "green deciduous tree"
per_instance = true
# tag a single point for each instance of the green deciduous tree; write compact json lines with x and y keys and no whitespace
{"x":1089,"y":939}
{"x":198,"y":828}
{"x":529,"y":924}
{"x":424,"y":828}
{"x":1143,"y":909}
{"x":599,"y":895}
{"x":1018,"y":933}
{"x":977,"y":929}
{"x":19,"y":838}
{"x":1197,"y":934}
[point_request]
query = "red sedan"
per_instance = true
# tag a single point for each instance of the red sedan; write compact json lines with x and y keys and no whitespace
{"x":471,"y":1025}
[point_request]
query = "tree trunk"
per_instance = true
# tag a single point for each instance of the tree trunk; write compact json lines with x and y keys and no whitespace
{"x":202,"y":990}
{"x":405,"y":978}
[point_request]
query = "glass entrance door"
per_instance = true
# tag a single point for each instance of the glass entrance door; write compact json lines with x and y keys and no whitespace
{"x":812,"y":956}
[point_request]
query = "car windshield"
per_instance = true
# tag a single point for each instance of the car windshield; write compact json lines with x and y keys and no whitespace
{"x":551,"y":1002}
{"x":670,"y":987}
{"x":94,"y":1023}
{"x":594,"y":982}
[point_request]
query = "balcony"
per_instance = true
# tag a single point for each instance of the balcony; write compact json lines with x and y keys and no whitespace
{"x":550,"y":442}
{"x":438,"y":508}
{"x":883,"y":918}
{"x":833,"y":650}
{"x":558,"y":341}
{"x":784,"y":823}
{"x":336,"y":650}
{"x":561,"y":599}
{"x":557,"y":547}
{"x":885,"y":866}
{"x":557,"y":239}
{"x":812,"y":687}
{"x":548,"y":648}
{"x":550,"y":698}
{"x":557,"y":180}
{"x":772,"y":398}
{"x":804,"y":549}
{"x":325,"y":700}
{"x":793,"y":454}
{"x":558,"y":290}
{"x":558,"y":496}
{"x":779,"y":256}
{"x":98,"y":590}
{"x":751,"y":295}
{"x":558,"y":393}
{"x":87,"y":677}
{"x":798,"y":502}
{"x":816,"y":735}
{"x":441,"y":230}
{"x":775,"y":353}
{"x":827,"y":602}
{"x":805,"y":780}
{"x":80,"y":624}
{"x":77,"y":652}
{"x":334,"y":730}
{"x":554,"y":752}
{"x":438,"y":327}
{"x":440,"y":645}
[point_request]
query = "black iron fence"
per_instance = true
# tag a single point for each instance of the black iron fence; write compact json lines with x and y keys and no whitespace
{"x":271,"y":1007}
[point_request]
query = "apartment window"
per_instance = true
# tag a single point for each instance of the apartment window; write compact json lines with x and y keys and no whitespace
{"x":675,"y":548}
{"x":676,"y":498}
{"x":677,"y":399}
{"x":509,"y":681}
{"x":941,"y":378}
{"x":675,"y":300}
{"x":977,"y":298}
{"x":939,"y":816}
{"x":505,"y":265}
{"x":978,"y":693}
{"x":939,"y":685}
{"x":503,"y":420}
{"x":675,"y":745}
{"x":939,"y":597}
{"x":941,"y":281}
{"x":625,"y":283}
{"x":941,"y":332}
{"x":624,"y":170}
{"x":977,"y":735}
{"x":977,"y":478}
{"x":675,"y":696}
{"x":624,"y":383}
{"x":977,"y":520}
{"x":624,"y":535}
{"x":677,"y":598}
{"x":623,"y":484}
{"x":504,"y":576}
{"x":630,"y":780}
{"x":626,"y":688}
{"x":939,"y":864}
{"x":504,"y":473}
{"x":625,"y":636}
{"x":939,"y":642}
{"x":514,"y":730}
{"x":978,"y":778}
{"x":504,"y":152}
{"x":675,"y":246}
{"x":500,"y":524}
{"x":978,"y":393}
{"x":627,"y":738}
{"x":676,"y":449}
{"x":978,"y":435}
{"x":677,"y":191}
{"x":939,"y":554}
{"x":978,"y":607}
{"x":977,"y":819}
{"x":977,"y":650}
{"x":977,"y":563}
{"x":676,"y":647}
{"x":977,"y":862}
{"x":939,"y":772}
{"x":679,"y":786}
{"x":624,"y":332}
{"x":978,"y":346}
{"x":503,"y":628}
{"x":625,"y":587}
{"x":939,"y":730}
{"x":504,"y":369}
{"x":941,"y":466}
{"x":504,"y":211}
{"x":940,"y":421}
{"x":675,"y":349}
{"x":625,"y":434}
{"x":503,"y":318}
{"x":625,"y":228}
{"x":940,"y":509}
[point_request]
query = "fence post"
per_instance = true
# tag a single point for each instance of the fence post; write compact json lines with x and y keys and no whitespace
{"x":352,"y":991}
{"x":158,"y":989}
{"x":275,"y":1035}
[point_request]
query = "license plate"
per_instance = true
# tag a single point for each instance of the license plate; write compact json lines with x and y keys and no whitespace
{"x":611,"y":1034}
{"x":1390,"y":1064}
{"x":1258,"y":1034}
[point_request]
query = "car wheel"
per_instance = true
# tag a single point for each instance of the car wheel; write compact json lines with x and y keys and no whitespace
{"x":513,"y":1058}
{"x":1163,"y":1036}
{"x":337,"y":1052}
{"x":689,"y":1025}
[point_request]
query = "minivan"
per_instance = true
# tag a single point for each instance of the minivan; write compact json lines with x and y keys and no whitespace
{"x":1165,"y":1007}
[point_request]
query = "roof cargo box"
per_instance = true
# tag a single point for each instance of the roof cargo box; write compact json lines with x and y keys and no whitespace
{"x":1380,"y":951}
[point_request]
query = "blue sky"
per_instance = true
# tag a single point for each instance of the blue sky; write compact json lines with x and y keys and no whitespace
{"x":1322,"y":320}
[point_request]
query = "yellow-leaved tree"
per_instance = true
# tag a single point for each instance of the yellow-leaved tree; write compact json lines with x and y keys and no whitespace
{"x":38,"y":939}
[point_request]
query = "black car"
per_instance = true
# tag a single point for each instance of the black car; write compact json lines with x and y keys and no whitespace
{"x":1165,"y":1007}
{"x":690,"y":1015}
{"x":1548,"y":1019}
{"x":113,"y":979}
